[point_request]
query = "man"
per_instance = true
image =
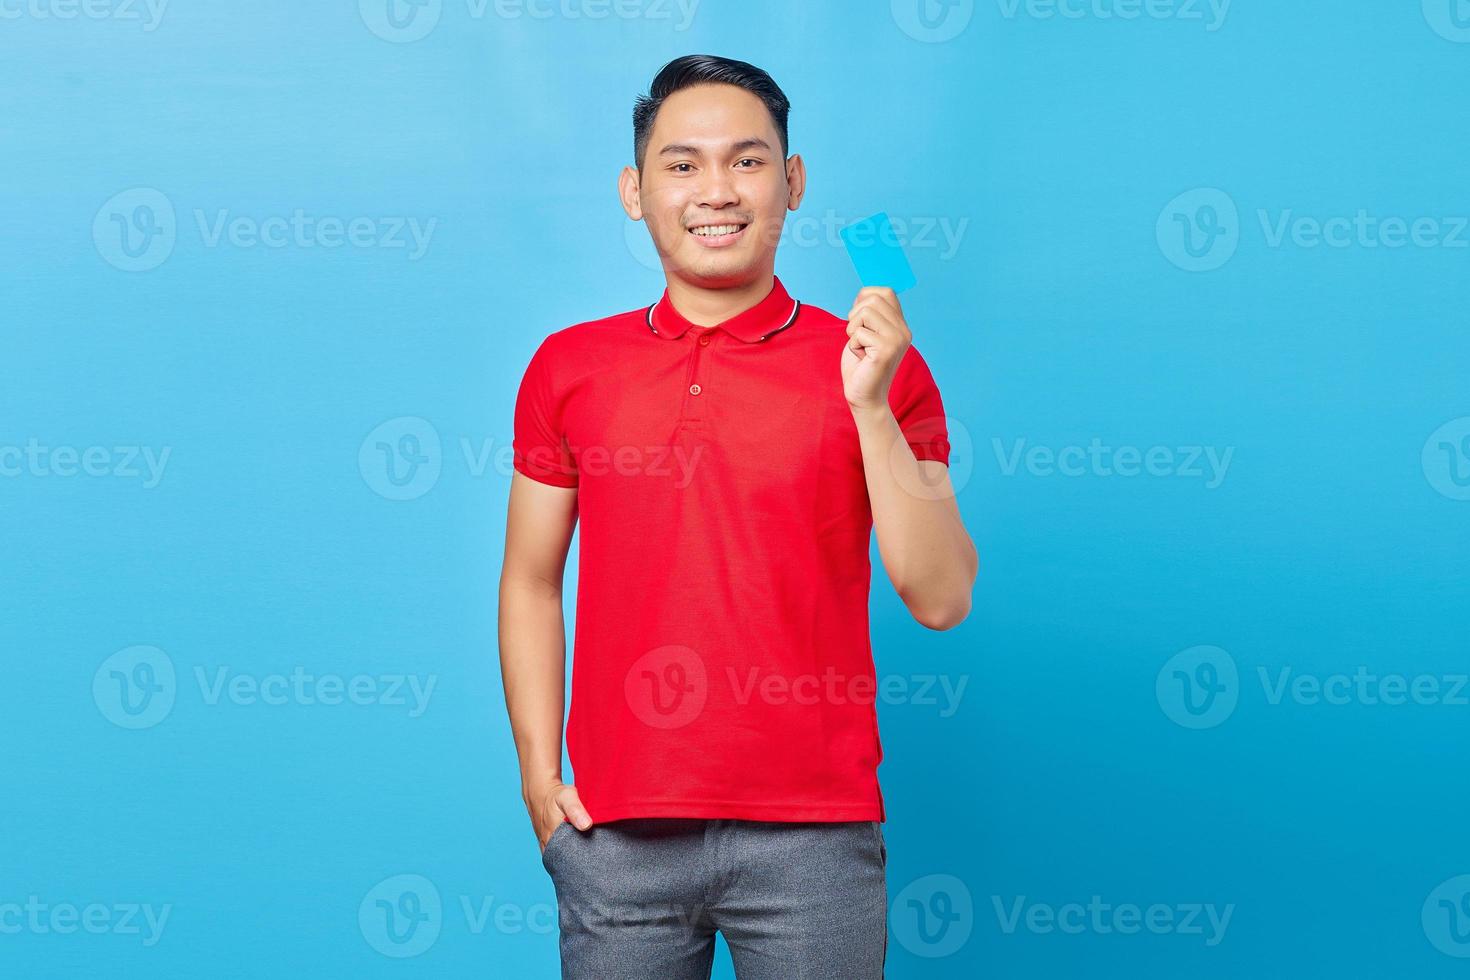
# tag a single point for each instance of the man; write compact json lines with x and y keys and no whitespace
{"x":728,"y":450}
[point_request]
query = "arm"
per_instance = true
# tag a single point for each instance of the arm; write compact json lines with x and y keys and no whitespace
{"x":921,"y":539}
{"x":533,"y":646}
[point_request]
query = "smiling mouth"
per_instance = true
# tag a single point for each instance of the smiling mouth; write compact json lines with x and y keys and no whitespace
{"x":712,"y":235}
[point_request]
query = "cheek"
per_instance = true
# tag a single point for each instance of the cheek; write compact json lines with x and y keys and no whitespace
{"x":670,"y":222}
{"x":769,"y":207}
{"x":666,"y":229}
{"x":772,"y":222}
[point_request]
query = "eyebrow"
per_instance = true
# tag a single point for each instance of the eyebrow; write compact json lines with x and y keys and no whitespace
{"x":752,"y":143}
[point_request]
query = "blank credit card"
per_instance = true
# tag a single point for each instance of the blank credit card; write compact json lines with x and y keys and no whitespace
{"x":877,"y":253}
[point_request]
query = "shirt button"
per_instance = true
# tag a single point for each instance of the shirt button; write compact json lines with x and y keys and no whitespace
{"x":704,"y":341}
{"x":695,"y":389}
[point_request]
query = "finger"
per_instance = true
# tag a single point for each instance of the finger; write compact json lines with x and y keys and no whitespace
{"x":864,"y":339}
{"x":875,"y":315}
{"x":870,"y":301}
{"x":573,"y":810}
{"x":881,"y":320}
{"x":548,"y":825}
{"x":878,"y":305}
{"x":881,"y":294}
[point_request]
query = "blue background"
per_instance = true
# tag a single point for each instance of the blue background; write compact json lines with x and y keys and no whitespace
{"x":1053,"y":147}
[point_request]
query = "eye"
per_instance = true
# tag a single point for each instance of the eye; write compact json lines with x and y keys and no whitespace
{"x":675,"y":168}
{"x":750,"y":160}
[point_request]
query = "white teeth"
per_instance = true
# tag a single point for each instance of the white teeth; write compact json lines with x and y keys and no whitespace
{"x":711,"y":230}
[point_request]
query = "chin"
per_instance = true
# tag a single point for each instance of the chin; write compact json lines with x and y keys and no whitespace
{"x":722,"y":275}
{"x":718,"y":271}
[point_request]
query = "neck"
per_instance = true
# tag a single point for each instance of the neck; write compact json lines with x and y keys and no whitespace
{"x":707,"y":307}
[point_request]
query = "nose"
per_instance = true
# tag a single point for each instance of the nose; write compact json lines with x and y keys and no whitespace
{"x":716,"y":189}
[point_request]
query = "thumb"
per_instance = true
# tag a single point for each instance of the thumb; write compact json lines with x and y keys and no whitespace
{"x":573,"y":810}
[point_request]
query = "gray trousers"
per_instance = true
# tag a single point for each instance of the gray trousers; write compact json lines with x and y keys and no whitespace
{"x":642,"y":899}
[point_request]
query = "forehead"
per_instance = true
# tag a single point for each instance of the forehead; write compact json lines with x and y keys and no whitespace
{"x":710,"y":116}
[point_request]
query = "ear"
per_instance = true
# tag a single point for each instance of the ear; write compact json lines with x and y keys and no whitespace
{"x":795,"y":181}
{"x":628,"y":192}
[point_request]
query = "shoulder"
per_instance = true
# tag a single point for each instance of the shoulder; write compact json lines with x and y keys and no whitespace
{"x":570,"y":349}
{"x":815,"y":316}
{"x":596,"y":331}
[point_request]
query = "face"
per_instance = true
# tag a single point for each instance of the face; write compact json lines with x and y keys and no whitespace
{"x":714,"y":190}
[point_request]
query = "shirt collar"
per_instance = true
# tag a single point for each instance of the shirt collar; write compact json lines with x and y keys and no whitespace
{"x":770,"y":316}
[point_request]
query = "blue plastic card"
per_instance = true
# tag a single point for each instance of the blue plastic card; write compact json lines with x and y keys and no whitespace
{"x":877,"y":254}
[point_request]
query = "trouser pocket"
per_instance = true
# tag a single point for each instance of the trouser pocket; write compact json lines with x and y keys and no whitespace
{"x":562,"y":829}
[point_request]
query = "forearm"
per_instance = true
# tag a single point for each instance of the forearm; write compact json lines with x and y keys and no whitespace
{"x":921,"y":539}
{"x":533,"y":669}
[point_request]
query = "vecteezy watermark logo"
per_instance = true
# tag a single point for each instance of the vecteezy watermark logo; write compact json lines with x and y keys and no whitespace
{"x":938,"y":235}
{"x":667,"y":687}
{"x":1208,"y":463}
{"x":1364,"y":687}
{"x":36,"y":459}
{"x":1180,"y":10}
{"x":148,"y":12}
{"x":941,"y":691}
{"x":306,"y":689}
{"x":934,"y":436}
{"x":932,"y":21}
{"x":1103,"y":918}
{"x":1198,"y":687}
{"x":1199,"y":230}
{"x":933,"y":916}
{"x":40,"y":918}
{"x":135,"y":687}
{"x":1361,"y":230}
{"x":135,"y":229}
{"x":509,"y":918}
{"x":1446,"y":459}
{"x":401,"y":458}
{"x":1446,"y":917}
{"x":404,"y":915}
{"x":138,"y":686}
{"x":304,"y":231}
{"x":400,"y":21}
{"x":1449,"y":18}
{"x":401,"y":916}
{"x":589,"y":10}
{"x":640,"y":245}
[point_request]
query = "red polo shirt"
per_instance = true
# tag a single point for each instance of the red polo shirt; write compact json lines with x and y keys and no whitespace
{"x":721,"y":665}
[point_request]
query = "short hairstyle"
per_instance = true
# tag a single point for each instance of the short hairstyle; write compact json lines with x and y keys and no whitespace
{"x":706,"y":69}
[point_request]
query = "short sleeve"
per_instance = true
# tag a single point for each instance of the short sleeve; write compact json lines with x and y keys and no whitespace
{"x":914,"y":399}
{"x":540,"y":447}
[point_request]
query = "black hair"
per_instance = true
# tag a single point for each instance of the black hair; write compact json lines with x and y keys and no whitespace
{"x":706,"y":69}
